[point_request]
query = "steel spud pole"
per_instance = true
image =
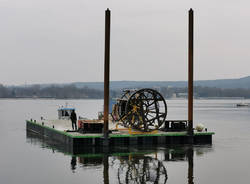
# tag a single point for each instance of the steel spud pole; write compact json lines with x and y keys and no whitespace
{"x":190,"y":70}
{"x":106,"y":75}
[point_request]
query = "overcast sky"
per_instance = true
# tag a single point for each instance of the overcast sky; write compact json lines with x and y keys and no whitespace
{"x":57,"y":41}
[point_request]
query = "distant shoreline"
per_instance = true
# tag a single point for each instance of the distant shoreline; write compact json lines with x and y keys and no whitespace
{"x":47,"y":98}
{"x":200,"y":98}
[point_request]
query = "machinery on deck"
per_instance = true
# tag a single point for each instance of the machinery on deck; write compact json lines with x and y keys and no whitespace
{"x":143,"y":109}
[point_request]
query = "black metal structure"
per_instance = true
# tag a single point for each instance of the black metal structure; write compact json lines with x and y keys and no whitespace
{"x":143,"y":109}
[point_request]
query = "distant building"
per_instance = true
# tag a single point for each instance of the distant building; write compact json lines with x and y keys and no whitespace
{"x":182,"y":95}
{"x":174,"y":95}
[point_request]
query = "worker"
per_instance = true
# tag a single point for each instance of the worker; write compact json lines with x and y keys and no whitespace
{"x":73,"y":120}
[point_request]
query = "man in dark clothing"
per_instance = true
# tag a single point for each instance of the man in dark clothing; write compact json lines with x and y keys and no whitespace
{"x":73,"y":120}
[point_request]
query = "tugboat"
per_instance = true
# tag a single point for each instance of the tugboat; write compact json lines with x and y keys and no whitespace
{"x":65,"y":112}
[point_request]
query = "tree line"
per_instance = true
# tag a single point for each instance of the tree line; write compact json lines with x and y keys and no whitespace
{"x":71,"y":91}
{"x":206,"y":92}
{"x":53,"y":91}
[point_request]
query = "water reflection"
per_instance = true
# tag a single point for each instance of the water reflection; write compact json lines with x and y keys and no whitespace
{"x":73,"y":163}
{"x":136,"y":165}
{"x":141,"y":169}
{"x":190,"y":155}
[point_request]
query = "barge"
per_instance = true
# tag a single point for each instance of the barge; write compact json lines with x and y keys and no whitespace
{"x":76,"y":141}
{"x":142,"y":113}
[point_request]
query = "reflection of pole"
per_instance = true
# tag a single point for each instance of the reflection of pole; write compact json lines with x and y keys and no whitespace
{"x":190,"y":71}
{"x":106,"y":75}
{"x":190,"y":154}
{"x":105,"y":169}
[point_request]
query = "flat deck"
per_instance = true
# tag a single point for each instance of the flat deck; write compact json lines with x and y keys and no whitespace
{"x":57,"y":130}
{"x":64,"y":125}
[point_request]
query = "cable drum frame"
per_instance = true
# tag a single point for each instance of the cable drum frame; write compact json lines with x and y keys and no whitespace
{"x":144,"y":110}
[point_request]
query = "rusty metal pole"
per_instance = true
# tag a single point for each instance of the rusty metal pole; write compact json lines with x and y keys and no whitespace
{"x":106,"y":76}
{"x":190,"y":71}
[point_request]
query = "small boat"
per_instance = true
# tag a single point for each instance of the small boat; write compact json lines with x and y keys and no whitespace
{"x":65,"y":112}
{"x":242,"y":105}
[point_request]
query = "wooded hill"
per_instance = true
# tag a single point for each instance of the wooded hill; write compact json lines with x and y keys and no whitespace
{"x":206,"y":88}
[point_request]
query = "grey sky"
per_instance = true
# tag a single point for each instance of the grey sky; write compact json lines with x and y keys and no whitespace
{"x":45,"y":41}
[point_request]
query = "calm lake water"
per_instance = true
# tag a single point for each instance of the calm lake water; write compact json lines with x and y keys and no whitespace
{"x":27,"y":159}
